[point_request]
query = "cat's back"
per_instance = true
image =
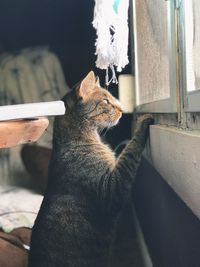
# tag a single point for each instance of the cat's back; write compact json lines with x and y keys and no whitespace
{"x":68,"y":222}
{"x":59,"y":210}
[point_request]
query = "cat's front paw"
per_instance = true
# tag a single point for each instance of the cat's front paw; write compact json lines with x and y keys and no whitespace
{"x":143,"y":123}
{"x":145,"y":120}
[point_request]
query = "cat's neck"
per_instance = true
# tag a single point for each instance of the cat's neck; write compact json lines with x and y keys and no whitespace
{"x":74,"y":132}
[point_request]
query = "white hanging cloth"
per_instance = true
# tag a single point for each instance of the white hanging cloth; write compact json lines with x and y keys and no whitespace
{"x":111,"y":24}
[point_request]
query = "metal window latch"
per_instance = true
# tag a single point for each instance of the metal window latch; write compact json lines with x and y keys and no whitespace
{"x":178,"y":4}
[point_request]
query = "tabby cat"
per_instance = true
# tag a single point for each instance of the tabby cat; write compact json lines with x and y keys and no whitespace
{"x":88,"y":186}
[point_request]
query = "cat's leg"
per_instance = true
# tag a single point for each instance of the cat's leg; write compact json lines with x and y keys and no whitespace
{"x":130,"y":157}
{"x":116,"y":187}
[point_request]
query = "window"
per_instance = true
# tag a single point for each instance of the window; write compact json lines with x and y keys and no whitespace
{"x":155,"y":58}
{"x":189,"y":13}
{"x":167,"y":49}
{"x":167,"y":74}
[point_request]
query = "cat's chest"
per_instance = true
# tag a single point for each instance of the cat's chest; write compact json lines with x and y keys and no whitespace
{"x":106,"y":155}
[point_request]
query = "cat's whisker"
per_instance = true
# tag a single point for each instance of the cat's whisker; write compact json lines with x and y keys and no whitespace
{"x":107,"y":128}
{"x":101,"y":130}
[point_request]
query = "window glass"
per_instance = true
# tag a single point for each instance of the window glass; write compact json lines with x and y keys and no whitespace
{"x":192,"y":43}
{"x":152,"y":60}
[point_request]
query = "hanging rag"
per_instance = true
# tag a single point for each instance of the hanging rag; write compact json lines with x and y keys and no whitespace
{"x":111,"y":24}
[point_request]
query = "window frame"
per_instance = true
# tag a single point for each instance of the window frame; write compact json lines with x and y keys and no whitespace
{"x":191,"y":98}
{"x":168,"y":105}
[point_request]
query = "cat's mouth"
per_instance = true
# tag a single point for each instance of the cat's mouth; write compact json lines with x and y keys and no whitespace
{"x":116,"y":117}
{"x":118,"y":113}
{"x":115,"y":122}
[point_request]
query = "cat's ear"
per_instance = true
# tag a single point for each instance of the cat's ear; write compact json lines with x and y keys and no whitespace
{"x":97,"y":82}
{"x":86,"y":86}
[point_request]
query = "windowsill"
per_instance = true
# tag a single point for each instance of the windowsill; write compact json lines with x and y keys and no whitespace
{"x":175,"y":154}
{"x":160,"y":106}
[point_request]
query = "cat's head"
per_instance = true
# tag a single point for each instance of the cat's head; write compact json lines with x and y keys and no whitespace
{"x":92,"y":104}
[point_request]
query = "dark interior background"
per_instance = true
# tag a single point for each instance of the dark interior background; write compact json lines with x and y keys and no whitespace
{"x":65,"y":26}
{"x":171,"y":231}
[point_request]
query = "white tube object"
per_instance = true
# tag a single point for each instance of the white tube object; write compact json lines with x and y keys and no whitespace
{"x":126,"y":92}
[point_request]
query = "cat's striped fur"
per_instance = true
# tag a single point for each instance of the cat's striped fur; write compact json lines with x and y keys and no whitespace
{"x":88,"y":185}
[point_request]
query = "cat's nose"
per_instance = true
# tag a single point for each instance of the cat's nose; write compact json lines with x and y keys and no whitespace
{"x":119,"y":108}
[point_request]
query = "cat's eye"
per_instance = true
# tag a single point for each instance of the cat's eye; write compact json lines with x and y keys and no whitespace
{"x":106,"y":101}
